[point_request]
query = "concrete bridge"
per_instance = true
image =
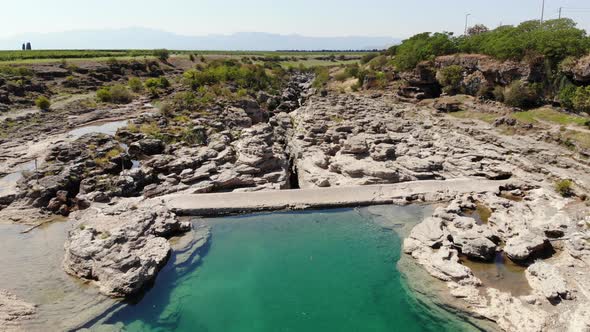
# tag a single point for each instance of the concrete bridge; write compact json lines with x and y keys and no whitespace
{"x":245,"y":202}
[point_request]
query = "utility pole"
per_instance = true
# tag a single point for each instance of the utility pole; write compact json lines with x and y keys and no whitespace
{"x":543,"y":12}
{"x":560,"y":8}
{"x":466,"y":22}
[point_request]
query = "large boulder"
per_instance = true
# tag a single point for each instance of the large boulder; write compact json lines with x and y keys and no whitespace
{"x":355,"y":145}
{"x":546,"y":279}
{"x":475,"y":246}
{"x":427,"y":233}
{"x":122,"y":247}
{"x":147,"y":146}
{"x":525,"y":246}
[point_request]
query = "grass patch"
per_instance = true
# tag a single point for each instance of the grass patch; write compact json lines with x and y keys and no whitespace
{"x":486,"y":117}
{"x":580,"y":139}
{"x":549,"y":115}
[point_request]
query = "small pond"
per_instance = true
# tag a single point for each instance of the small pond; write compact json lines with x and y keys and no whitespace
{"x":294,"y":271}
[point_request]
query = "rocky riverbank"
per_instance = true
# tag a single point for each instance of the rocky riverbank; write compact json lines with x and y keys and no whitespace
{"x":533,"y":227}
{"x":122,"y":187}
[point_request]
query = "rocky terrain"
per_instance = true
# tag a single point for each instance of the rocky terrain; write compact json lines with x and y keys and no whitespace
{"x":110,"y":180}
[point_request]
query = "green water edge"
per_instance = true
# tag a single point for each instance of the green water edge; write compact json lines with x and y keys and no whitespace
{"x":339,"y":267}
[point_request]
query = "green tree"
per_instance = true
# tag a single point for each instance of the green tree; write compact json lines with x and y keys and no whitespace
{"x":162,"y":54}
{"x":424,"y":46}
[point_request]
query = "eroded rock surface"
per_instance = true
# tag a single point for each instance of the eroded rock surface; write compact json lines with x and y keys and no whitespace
{"x":121,"y":247}
{"x":516,"y":228}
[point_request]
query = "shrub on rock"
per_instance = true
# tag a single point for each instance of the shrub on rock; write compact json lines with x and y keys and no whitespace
{"x":43,"y":103}
{"x":120,"y":94}
{"x":564,"y":188}
{"x":135,"y":84}
{"x":520,"y":94}
{"x":450,"y":78}
{"x":581,"y":99}
{"x":104,"y":95}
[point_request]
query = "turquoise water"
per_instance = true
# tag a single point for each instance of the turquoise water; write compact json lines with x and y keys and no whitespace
{"x":312,"y":271}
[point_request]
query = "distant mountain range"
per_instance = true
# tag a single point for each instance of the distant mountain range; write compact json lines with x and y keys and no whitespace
{"x":142,"y":38}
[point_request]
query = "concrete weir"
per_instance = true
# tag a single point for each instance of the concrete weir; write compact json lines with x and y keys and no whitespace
{"x":244,"y":202}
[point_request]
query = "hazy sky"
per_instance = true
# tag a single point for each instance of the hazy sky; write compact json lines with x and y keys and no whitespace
{"x":394,"y":18}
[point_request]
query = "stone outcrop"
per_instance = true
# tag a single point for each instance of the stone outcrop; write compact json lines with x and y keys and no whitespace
{"x":442,"y":241}
{"x":121,"y":247}
{"x":481,"y":73}
{"x":579,"y":70}
{"x":546,"y":279}
{"x":339,"y":141}
{"x":525,"y":246}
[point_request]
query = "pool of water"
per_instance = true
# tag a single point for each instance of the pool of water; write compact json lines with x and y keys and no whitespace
{"x":9,"y":181}
{"x":108,"y":128}
{"x":502,"y":274}
{"x":31,"y":269}
{"x":304,"y":271}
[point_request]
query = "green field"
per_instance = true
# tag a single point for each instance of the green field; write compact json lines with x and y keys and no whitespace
{"x":41,"y":56}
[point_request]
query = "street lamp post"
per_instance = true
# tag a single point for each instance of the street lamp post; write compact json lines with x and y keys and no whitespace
{"x":466,"y":22}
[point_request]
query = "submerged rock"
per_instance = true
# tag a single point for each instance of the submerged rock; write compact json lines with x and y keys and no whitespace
{"x":13,"y":311}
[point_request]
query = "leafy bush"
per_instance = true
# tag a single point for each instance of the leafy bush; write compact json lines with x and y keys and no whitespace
{"x":135,"y":84}
{"x":368,"y":57}
{"x":322,"y":76}
{"x":450,"y":78}
{"x":520,"y":94}
{"x":581,"y":99}
{"x":157,"y":83}
{"x":421,"y":47}
{"x":162,"y":54}
{"x":104,"y":95}
{"x":498,"y":93}
{"x":43,"y":103}
{"x":378,"y":62}
{"x":564,"y":188}
{"x":193,"y":136}
{"x":118,"y":94}
{"x":352,"y":70}
{"x":566,"y":96}
{"x":71,"y":82}
{"x":243,"y":75}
